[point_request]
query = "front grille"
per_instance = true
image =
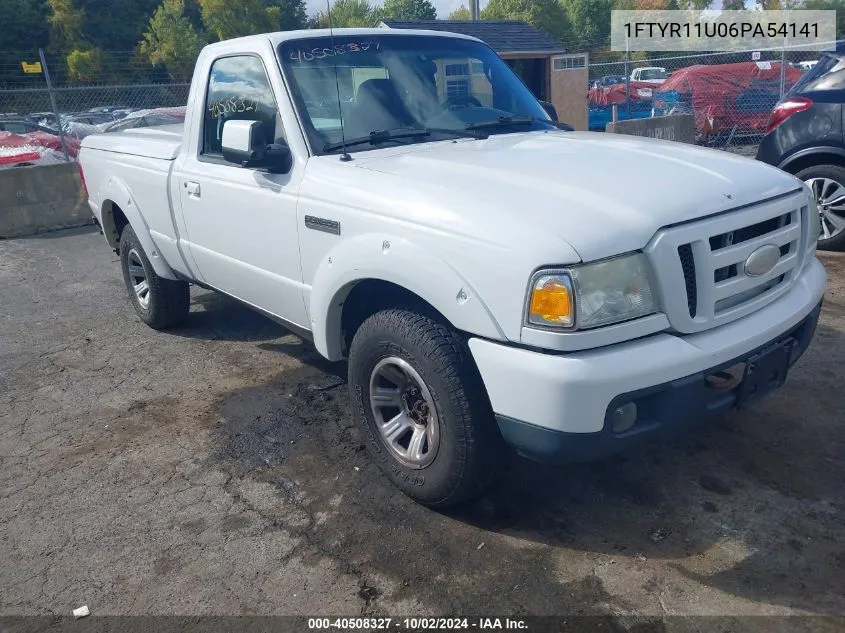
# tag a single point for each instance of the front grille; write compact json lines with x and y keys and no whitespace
{"x":709,"y":258}
{"x":688,"y":266}
{"x":744,"y":234}
{"x":731,"y":283}
{"x":749,"y":232}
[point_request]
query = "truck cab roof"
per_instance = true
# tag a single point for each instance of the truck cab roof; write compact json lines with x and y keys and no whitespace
{"x":284,"y":36}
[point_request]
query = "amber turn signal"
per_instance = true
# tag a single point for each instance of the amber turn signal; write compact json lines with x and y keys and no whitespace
{"x":551,"y":301}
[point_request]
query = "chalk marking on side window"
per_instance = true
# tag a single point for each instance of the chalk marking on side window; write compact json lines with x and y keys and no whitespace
{"x":232,"y":105}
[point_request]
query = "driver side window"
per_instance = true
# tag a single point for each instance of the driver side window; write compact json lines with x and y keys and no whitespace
{"x":238,"y":89}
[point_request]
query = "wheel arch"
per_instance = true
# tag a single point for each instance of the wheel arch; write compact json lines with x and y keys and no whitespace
{"x":366,"y":274}
{"x":812,"y":157}
{"x":113,"y":222}
{"x":119,"y":208}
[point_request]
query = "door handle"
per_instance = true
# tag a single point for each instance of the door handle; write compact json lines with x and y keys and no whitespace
{"x":193,"y":188}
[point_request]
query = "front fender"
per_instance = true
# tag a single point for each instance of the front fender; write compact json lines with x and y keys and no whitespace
{"x":116,"y":192}
{"x":396,"y":260}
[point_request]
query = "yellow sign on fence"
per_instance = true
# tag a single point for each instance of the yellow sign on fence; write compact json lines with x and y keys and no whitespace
{"x":34,"y":67}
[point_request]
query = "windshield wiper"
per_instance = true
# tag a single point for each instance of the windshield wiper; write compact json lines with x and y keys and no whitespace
{"x":377,"y":137}
{"x":502,"y":121}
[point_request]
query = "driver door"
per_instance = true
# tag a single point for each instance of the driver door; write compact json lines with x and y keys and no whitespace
{"x":241,"y":223}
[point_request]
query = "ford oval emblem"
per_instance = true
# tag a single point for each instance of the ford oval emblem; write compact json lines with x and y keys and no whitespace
{"x":762,"y":260}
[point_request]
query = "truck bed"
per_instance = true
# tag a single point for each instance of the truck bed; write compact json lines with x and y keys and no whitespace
{"x":132,"y":169}
{"x":161,"y":142}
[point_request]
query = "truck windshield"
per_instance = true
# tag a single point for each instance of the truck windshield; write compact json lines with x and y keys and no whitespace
{"x":448,"y":87}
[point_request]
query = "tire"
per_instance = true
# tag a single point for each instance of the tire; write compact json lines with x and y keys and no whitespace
{"x":163,"y":303}
{"x":444,"y":393}
{"x":825,"y":181}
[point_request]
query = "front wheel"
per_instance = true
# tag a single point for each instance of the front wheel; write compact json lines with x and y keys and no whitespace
{"x":827,"y":183}
{"x":422,"y":408}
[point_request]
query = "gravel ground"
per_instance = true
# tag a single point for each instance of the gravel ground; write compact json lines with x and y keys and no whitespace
{"x":215,"y":469}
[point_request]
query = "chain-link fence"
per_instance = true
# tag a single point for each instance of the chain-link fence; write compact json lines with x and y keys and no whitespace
{"x":49,"y":102}
{"x":731,"y":95}
{"x":89,"y":103}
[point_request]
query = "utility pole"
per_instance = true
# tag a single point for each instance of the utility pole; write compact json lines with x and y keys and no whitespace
{"x":53,"y":102}
{"x":473,"y":9}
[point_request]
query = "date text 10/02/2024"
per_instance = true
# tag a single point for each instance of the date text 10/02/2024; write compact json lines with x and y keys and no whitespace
{"x":417,"y":624}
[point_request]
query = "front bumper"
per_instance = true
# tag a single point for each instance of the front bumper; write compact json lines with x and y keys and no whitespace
{"x":553,"y":407}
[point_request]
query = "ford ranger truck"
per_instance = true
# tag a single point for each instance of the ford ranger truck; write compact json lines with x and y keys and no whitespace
{"x":401,"y":198}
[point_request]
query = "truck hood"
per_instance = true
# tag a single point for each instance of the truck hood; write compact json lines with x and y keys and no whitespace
{"x":603,"y":194}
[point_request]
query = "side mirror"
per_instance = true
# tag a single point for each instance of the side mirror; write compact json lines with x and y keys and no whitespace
{"x":244,"y":144}
{"x":550,"y":109}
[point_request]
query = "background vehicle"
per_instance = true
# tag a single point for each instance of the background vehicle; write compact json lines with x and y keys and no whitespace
{"x":23,"y":126}
{"x":726,"y":99}
{"x":112,"y":109}
{"x":147,"y":118}
{"x":27,"y":137}
{"x":600,"y":102}
{"x":805,"y":137}
{"x":90,"y":118}
{"x":608,"y":80}
{"x":463,"y":253}
{"x":650,"y":74}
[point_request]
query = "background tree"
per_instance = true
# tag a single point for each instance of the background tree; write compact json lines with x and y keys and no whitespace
{"x":589,"y":23}
{"x":66,"y":22}
{"x":289,"y":14}
{"x":671,"y":5}
{"x":172,"y":41}
{"x":348,"y":13}
{"x":650,"y":5}
{"x":838,"y":5}
{"x":733,"y":5}
{"x":115,"y":25}
{"x":25,"y":25}
{"x":546,"y":15}
{"x":227,"y":19}
{"x":85,"y":66}
{"x":409,"y":10}
{"x":461,"y":13}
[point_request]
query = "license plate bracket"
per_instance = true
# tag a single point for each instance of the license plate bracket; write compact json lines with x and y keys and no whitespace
{"x":765,"y":372}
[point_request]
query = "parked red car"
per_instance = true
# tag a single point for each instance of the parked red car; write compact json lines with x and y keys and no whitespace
{"x":725,"y":97}
{"x":31,"y":141}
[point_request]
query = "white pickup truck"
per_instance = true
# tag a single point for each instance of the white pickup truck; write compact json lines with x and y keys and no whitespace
{"x":401,"y":198}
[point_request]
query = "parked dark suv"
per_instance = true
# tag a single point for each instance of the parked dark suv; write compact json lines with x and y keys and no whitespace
{"x":805,"y":138}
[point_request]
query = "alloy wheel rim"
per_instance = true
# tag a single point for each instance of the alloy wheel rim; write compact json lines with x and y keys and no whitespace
{"x":830,"y":199}
{"x":138,"y":278}
{"x":404,"y":412}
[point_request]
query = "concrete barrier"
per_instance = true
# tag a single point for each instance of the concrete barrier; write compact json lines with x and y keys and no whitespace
{"x":674,"y":127}
{"x":41,"y":198}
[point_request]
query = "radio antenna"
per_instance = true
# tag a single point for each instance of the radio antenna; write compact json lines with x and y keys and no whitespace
{"x":345,"y":155}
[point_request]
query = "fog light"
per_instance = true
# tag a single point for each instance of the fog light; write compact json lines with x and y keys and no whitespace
{"x":623,"y":417}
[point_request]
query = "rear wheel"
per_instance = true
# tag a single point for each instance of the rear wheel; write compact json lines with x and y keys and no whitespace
{"x":422,"y":407}
{"x":827,"y":183}
{"x":160,"y":303}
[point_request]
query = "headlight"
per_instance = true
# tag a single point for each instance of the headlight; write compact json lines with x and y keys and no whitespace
{"x":592,"y":295}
